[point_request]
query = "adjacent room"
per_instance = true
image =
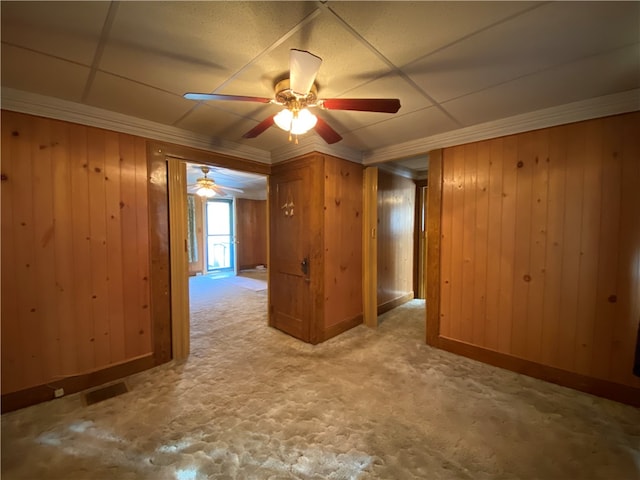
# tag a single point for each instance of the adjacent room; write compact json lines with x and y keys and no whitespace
{"x":320,"y":240}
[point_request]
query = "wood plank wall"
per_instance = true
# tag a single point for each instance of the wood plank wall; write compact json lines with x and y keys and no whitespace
{"x":343,"y":183}
{"x":396,"y":211}
{"x":540,"y":242}
{"x":251,"y":232}
{"x":75,"y":250}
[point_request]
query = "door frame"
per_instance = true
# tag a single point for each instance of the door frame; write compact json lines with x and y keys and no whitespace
{"x":175,"y":330}
{"x":370,"y":248}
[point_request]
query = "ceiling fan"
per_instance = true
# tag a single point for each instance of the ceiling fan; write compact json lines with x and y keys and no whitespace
{"x":297,"y":94}
{"x":206,"y":186}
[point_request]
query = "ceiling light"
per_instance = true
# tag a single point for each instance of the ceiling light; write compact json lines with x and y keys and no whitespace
{"x":295,"y":122}
{"x":205,"y":192}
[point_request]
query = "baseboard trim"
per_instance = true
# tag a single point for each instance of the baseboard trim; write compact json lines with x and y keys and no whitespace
{"x":595,"y":386}
{"x":43,"y":393}
{"x":396,"y":302}
{"x":341,"y":327}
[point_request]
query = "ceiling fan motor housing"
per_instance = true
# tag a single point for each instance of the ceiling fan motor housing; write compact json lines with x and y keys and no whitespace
{"x":291,"y":100}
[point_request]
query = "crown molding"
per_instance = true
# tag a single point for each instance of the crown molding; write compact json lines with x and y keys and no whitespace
{"x":49,"y":107}
{"x":25,"y":102}
{"x":314,"y":144}
{"x":614,"y":104}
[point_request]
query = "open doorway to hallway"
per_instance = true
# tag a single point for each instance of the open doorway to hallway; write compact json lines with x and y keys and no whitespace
{"x":227,"y":245}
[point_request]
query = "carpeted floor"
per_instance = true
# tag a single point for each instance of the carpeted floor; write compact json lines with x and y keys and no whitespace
{"x":254,"y":403}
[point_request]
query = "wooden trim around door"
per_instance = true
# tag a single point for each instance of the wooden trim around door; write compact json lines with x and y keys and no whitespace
{"x":370,"y":247}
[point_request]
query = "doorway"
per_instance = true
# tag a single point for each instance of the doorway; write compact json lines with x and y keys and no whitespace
{"x":220,"y":236}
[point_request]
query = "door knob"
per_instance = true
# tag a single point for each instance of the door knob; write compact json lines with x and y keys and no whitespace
{"x":304,"y":265}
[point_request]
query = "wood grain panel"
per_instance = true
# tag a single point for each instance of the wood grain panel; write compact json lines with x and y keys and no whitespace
{"x":522,"y":274}
{"x":81,"y":241}
{"x":143,"y":314}
{"x":550,"y":346}
{"x":12,"y":364}
{"x":467,"y":257}
{"x":494,"y":241}
{"x":251,"y":232}
{"x":44,"y":316}
{"x":446,"y":243}
{"x":558,"y":282}
{"x":457,"y":240}
{"x":625,"y":330}
{"x":481,"y":227}
{"x":63,"y":241}
{"x":342,"y":241}
{"x":507,"y":242}
{"x":64,"y":313}
{"x":396,"y":204}
{"x":98,"y":245}
{"x":538,"y":233}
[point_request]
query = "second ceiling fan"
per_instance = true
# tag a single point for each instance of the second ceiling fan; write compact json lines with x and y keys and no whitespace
{"x":297,"y":94}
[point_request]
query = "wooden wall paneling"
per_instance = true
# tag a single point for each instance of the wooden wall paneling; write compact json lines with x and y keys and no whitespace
{"x":522,"y":274}
{"x":115,"y":295}
{"x":589,"y":244}
{"x":81,"y":241}
{"x":143,"y":316}
{"x":606,"y":307}
{"x":456,"y":240}
{"x":12,"y":365}
{"x":44,"y":295}
{"x":571,"y":247}
{"x":396,"y":197}
{"x":159,"y":268}
{"x":251,"y":232}
{"x":507,"y":241}
{"x":538,"y":248}
{"x":24,"y":241}
{"x":552,"y":294}
{"x":446,"y":187}
{"x":65,"y":284}
{"x":626,"y":326}
{"x":467,"y":257}
{"x":494,"y":243}
{"x":97,"y":221}
{"x":130,"y":246}
{"x":435,"y":239}
{"x":342,"y":241}
{"x":479,"y":326}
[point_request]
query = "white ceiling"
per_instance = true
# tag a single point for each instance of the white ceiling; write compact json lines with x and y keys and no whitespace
{"x":453,"y":65}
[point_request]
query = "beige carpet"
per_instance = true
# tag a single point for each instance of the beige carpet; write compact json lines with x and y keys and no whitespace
{"x":254,"y":403}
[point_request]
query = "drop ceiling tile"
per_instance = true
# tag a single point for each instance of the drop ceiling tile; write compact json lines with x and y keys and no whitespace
{"x":593,"y":77}
{"x":404,"y":128}
{"x":120,"y":95}
{"x":556,"y":33}
{"x":41,"y":74}
{"x":225,"y":121}
{"x":405,"y":31}
{"x":346,"y":63}
{"x":209,"y":41}
{"x":69,"y":30}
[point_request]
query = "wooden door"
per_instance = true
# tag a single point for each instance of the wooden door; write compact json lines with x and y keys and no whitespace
{"x":291,"y":266}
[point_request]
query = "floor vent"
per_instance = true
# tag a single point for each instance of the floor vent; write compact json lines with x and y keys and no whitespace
{"x":104,"y":393}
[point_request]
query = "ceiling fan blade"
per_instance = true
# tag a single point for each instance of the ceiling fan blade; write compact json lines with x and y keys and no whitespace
{"x":327,"y":133}
{"x":261,"y":127}
{"x":303,"y":68}
{"x":215,"y":96}
{"x":383,"y":105}
{"x":231,"y":189}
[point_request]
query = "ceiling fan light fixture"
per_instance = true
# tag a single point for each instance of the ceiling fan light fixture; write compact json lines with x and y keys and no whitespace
{"x":297,"y":124}
{"x":206,"y":192}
